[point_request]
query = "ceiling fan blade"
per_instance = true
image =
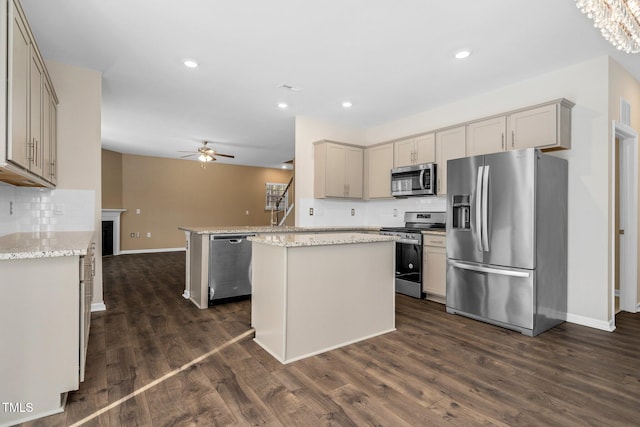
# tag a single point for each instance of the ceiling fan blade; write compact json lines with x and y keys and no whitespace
{"x":188,"y":155}
{"x":184,"y":151}
{"x":223,"y":155}
{"x":289,"y":161}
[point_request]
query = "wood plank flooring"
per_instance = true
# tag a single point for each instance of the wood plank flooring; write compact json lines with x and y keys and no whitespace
{"x":436,"y":369}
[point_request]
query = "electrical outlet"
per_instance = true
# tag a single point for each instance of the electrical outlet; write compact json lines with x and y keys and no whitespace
{"x":246,"y":212}
{"x":353,"y":212}
{"x":395,"y":213}
{"x":310,"y":211}
{"x":137,"y":211}
{"x":148,"y":234}
{"x":137,"y":234}
{"x":10,"y":208}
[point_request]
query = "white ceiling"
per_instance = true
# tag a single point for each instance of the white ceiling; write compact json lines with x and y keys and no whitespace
{"x":391,"y":59}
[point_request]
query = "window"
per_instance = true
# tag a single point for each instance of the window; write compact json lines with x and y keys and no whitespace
{"x":272,"y":193}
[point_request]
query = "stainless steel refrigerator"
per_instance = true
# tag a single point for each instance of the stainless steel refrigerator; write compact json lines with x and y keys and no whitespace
{"x":507,"y":239}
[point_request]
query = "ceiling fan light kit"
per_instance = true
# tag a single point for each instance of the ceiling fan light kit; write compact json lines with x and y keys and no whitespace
{"x":206,"y":154}
{"x":618,"y":21}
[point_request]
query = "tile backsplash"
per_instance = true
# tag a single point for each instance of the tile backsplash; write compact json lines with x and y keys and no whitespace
{"x":25,"y":209}
{"x":387,"y":212}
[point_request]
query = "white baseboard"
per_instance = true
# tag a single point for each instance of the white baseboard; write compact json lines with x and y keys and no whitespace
{"x":98,"y":306}
{"x":151,"y":251}
{"x":590,"y":322}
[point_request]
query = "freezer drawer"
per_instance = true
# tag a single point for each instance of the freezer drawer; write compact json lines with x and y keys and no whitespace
{"x":505,"y":297}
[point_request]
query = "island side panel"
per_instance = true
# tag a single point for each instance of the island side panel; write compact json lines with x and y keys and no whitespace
{"x":337,"y":295}
{"x":268,"y":296}
{"x":199,"y":270}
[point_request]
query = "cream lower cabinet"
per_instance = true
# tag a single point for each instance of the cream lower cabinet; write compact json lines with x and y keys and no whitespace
{"x":338,"y":170}
{"x":378,"y":162}
{"x":434,"y":258}
{"x":450,"y":144}
{"x":47,"y":304}
{"x":413,"y":151}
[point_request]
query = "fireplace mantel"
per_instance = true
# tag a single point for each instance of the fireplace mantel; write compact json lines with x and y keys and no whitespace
{"x":114,"y":215}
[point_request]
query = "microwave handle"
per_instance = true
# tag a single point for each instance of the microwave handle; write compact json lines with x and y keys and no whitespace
{"x":422,"y":179}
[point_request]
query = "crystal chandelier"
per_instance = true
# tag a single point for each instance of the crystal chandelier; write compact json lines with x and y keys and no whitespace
{"x":618,"y":20}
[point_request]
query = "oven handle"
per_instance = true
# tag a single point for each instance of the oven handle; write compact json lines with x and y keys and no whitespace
{"x":409,"y":241}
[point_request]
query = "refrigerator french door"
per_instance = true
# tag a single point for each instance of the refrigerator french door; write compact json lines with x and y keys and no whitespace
{"x":506,"y":239}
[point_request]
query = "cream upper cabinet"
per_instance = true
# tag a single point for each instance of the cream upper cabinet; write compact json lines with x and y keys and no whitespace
{"x":487,"y":136}
{"x":18,"y":150}
{"x":450,"y":144}
{"x":412,"y":151}
{"x":338,"y":170}
{"x":378,"y":164}
{"x":547,"y":126}
{"x":49,"y":134}
{"x":31,"y":114}
{"x":434,"y":282}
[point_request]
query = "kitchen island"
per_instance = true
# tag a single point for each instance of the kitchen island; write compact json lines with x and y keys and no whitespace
{"x":198,"y":254}
{"x":317,"y":292}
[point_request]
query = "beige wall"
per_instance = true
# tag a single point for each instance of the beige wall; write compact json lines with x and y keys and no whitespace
{"x":79,"y":92}
{"x":622,"y":84}
{"x":111,"y":180}
{"x":172,"y":193}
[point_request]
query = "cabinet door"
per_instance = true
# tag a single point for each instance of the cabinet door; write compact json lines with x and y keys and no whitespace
{"x":336,"y":167}
{"x":533,"y":128}
{"x":450,"y":144}
{"x":425,"y":148}
{"x":435,"y":268}
{"x":46,"y":131}
{"x":379,"y":161}
{"x":18,"y":150}
{"x":36,"y":76}
{"x":53,"y":143}
{"x":487,"y":136}
{"x":354,"y":172}
{"x":403,"y":153}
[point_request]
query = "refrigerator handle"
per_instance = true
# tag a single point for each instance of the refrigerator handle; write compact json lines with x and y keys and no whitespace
{"x":492,"y":270}
{"x":485,"y":209}
{"x":478,"y":234}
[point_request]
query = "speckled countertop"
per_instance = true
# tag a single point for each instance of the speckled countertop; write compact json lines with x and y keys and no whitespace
{"x":435,"y":233}
{"x":272,"y":229}
{"x":292,"y":240}
{"x":44,"y":245}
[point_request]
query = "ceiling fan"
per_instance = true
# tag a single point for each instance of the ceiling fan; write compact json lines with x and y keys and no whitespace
{"x":205,"y":153}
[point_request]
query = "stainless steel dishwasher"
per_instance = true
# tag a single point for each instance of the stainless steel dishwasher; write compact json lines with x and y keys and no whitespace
{"x":229,"y":267}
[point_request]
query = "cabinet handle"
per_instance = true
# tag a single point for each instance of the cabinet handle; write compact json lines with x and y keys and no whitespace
{"x":513,"y":139}
{"x":502,"y":135}
{"x":30,"y":151}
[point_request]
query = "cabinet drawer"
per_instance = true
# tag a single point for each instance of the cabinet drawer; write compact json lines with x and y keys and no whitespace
{"x":434,"y":240}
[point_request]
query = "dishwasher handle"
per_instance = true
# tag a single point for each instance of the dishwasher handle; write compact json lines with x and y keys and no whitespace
{"x":231,"y":238}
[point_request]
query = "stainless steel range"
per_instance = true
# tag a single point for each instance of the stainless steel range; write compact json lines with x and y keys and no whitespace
{"x":409,"y":249}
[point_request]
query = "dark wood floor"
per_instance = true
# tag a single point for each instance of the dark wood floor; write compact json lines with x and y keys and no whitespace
{"x":436,"y":369}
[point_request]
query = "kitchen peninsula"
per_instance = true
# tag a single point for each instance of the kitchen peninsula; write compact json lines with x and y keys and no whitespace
{"x":316,"y":292}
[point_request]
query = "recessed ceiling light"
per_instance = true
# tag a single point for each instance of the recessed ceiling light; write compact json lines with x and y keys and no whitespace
{"x":462,"y":54}
{"x":282,"y":105}
{"x":190,"y":63}
{"x":347,"y":104}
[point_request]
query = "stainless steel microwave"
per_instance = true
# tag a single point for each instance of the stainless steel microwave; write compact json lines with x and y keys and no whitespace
{"x":414,"y":180}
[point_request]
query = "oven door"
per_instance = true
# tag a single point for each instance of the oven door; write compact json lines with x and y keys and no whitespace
{"x":409,"y":267}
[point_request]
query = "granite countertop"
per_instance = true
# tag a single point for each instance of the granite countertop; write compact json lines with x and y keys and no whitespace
{"x":292,"y":240}
{"x":273,"y":229}
{"x":435,"y":232}
{"x":44,"y":245}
